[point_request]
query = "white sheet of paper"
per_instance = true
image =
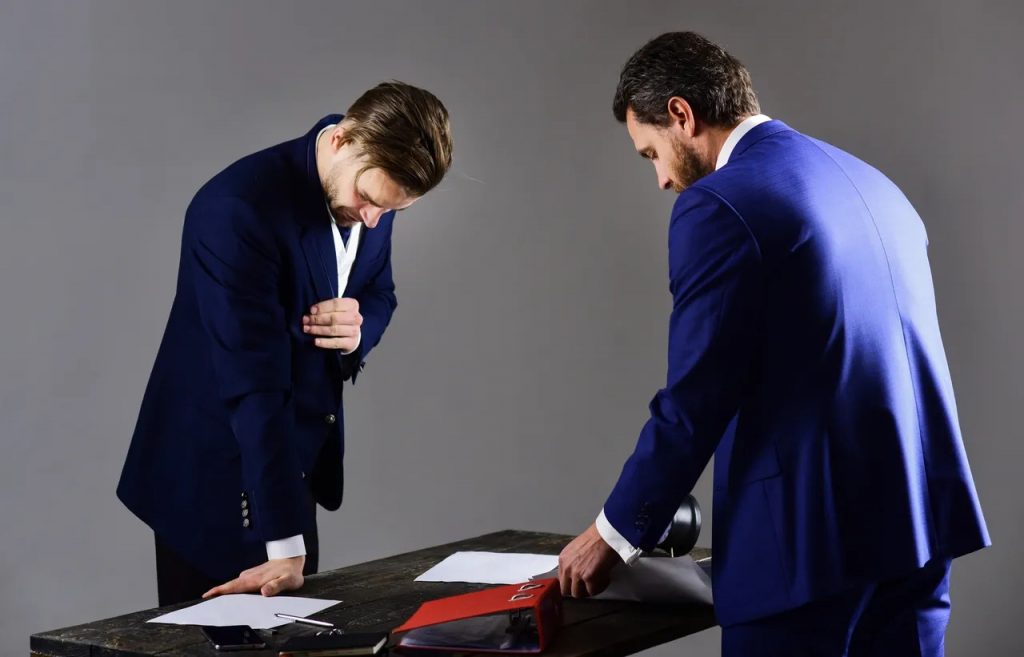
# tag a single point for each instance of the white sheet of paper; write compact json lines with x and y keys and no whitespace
{"x":659,"y":579}
{"x":489,"y":567}
{"x":249,"y":609}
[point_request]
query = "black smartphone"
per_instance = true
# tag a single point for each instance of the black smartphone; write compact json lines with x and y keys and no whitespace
{"x":234,"y":637}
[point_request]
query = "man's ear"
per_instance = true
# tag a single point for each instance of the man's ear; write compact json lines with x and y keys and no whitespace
{"x":680,"y":114}
{"x":338,"y":136}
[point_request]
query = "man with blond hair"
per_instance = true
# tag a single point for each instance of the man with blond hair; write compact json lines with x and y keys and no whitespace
{"x":284,"y":287}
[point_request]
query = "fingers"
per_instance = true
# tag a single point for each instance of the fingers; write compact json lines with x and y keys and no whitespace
{"x":286,"y":582}
{"x":596,"y":583}
{"x":564,"y":579}
{"x":342,"y":304}
{"x":269,"y":579}
{"x":572,"y":584}
{"x":567,"y":568}
{"x":335,"y":324}
{"x":334,"y":330}
{"x":584,"y":565}
{"x":242,"y":584}
{"x":329,"y":319}
{"x":274,"y":586}
{"x":579,"y":587}
{"x":569,"y":578}
{"x":341,"y":344}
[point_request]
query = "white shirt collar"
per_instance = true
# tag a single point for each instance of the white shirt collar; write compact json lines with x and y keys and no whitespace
{"x":736,"y":135}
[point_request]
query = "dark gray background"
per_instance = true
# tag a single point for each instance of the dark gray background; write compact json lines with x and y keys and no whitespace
{"x":530,"y":332}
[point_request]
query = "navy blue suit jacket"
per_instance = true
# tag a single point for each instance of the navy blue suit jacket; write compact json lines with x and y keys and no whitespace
{"x":240,"y":403}
{"x":804,"y":353}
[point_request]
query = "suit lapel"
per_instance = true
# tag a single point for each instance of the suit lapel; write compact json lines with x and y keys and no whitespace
{"x":316,"y":238}
{"x":318,"y":247}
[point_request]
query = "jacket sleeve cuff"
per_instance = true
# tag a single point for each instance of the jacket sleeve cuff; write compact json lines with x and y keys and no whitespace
{"x":286,"y":548}
{"x":615,"y":540}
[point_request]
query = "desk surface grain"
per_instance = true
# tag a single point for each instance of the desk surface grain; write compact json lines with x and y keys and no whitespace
{"x":379,"y":595}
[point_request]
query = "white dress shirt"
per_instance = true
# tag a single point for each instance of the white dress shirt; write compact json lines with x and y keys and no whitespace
{"x":611,"y":536}
{"x":295,"y":546}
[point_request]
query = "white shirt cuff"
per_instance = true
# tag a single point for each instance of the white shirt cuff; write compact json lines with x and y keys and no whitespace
{"x":359,"y":339}
{"x":285,"y":548}
{"x":615,"y":541}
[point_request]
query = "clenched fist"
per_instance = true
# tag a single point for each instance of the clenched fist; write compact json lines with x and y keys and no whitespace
{"x":336,"y":324}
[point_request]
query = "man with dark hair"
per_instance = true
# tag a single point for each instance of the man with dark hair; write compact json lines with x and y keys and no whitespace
{"x":284,"y":287}
{"x":804,"y":353}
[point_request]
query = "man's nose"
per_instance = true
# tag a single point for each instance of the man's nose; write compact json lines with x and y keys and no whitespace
{"x":371,"y":216}
{"x":664,"y":182}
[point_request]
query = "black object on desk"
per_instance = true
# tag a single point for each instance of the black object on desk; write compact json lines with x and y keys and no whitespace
{"x":684,"y":530}
{"x":233,"y":637}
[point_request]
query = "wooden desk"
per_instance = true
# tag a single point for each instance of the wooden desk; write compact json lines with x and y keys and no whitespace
{"x":379,"y":595}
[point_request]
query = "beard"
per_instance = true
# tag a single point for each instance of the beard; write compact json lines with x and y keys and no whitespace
{"x":343,"y":215}
{"x":689,"y":166}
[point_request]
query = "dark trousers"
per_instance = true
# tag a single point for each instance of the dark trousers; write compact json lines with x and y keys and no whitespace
{"x":178,"y":581}
{"x":903,"y":617}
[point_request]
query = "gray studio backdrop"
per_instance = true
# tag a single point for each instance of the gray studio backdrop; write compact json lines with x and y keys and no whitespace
{"x":530,"y":332}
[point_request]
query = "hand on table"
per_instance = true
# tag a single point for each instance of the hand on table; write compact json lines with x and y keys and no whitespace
{"x":269,"y":578}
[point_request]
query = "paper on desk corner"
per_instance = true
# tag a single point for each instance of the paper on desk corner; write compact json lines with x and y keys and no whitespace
{"x":489,"y":567}
{"x":249,"y":609}
{"x":659,"y":579}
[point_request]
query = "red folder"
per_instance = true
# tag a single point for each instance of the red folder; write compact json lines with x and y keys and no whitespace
{"x":518,"y":618}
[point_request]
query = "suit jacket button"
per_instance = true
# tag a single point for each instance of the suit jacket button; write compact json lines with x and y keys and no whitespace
{"x":330,"y":419}
{"x":245,"y":513}
{"x":245,"y":503}
{"x":245,"y":523}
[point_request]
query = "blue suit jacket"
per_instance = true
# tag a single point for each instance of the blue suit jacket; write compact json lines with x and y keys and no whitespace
{"x":240,"y":403}
{"x":804,"y":353}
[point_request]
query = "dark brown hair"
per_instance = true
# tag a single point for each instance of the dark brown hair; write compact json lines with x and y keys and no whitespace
{"x":685,"y":64}
{"x":402,"y":130}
